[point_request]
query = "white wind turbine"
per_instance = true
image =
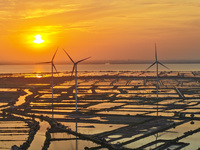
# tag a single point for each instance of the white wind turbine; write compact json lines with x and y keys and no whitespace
{"x":52,"y":68}
{"x":75,"y":69}
{"x":156,"y":62}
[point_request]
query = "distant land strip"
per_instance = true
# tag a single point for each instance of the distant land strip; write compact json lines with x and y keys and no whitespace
{"x":107,"y":62}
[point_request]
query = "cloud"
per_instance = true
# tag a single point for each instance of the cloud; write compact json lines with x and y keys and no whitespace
{"x":76,"y":14}
{"x":23,"y":9}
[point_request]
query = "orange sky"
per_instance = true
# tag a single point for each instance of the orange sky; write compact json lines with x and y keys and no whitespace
{"x":114,"y":29}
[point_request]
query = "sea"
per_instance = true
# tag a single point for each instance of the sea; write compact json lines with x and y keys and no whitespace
{"x":6,"y":69}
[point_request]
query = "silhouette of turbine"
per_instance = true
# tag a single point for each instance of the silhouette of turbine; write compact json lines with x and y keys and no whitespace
{"x":75,"y":70}
{"x":52,"y":68}
{"x":156,"y":62}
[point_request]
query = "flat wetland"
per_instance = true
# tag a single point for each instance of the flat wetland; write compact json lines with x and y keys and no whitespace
{"x":116,"y":110}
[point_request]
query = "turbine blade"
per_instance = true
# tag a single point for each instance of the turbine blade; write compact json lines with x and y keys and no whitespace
{"x":44,"y":62}
{"x":54,"y":67}
{"x":156,"y":53}
{"x":54,"y":54}
{"x":69,"y":56}
{"x":82,"y":60}
{"x":73,"y":70}
{"x":141,"y":73}
{"x":150,"y":66}
{"x":163,"y":65}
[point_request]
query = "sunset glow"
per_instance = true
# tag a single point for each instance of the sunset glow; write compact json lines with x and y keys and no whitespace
{"x":105,"y":30}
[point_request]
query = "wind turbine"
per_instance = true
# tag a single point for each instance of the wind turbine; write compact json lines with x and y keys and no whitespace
{"x":156,"y":62}
{"x":52,"y":68}
{"x":75,"y":69}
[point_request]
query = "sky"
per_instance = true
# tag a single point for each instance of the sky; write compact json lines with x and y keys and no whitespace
{"x":102,"y":29}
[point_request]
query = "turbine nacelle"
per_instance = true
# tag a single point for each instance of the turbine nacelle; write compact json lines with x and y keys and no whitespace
{"x":75,"y":63}
{"x":51,"y":62}
{"x":156,"y":61}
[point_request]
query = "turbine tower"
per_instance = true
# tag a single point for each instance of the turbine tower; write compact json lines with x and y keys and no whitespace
{"x":156,"y":62}
{"x":75,"y":69}
{"x":52,"y":68}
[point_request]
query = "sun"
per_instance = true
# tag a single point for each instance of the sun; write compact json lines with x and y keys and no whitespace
{"x":38,"y":39}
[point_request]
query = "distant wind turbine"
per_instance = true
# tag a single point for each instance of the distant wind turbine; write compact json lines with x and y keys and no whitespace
{"x":75,"y":69}
{"x":52,"y":68}
{"x":156,"y":62}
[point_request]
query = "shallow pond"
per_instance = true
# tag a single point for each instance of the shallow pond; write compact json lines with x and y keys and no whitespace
{"x":126,"y":87}
{"x":3,"y":104}
{"x":72,"y":144}
{"x":105,"y":87}
{"x":49,"y":96}
{"x":166,"y":102}
{"x":139,"y":106}
{"x":12,"y":133}
{"x":38,"y":84}
{"x":105,"y":105}
{"x":164,"y":114}
{"x":126,"y":100}
{"x":192,"y":111}
{"x":92,"y":128}
{"x":62,"y":87}
{"x":141,"y":142}
{"x":8,"y":90}
{"x":121,"y":113}
{"x":50,"y":110}
{"x":193,"y":140}
{"x":179,"y":130}
{"x":106,"y":91}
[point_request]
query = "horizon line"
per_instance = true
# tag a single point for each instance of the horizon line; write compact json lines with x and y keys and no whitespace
{"x":111,"y":62}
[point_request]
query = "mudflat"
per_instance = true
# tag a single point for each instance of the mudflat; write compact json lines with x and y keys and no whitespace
{"x":116,"y":110}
